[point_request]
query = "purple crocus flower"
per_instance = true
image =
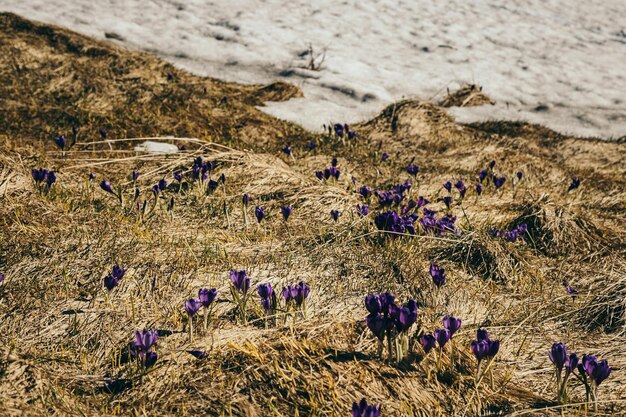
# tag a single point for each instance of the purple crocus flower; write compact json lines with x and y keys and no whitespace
{"x":103,"y":133}
{"x":110,"y":282}
{"x":377,"y":325}
{"x":178,"y":176}
{"x":558,"y":355}
{"x":571,"y":363}
{"x":574,"y":185}
{"x":1,"y":277}
{"x":492,"y":164}
{"x":207,"y":296}
{"x":51,"y":178}
{"x":319,"y":175}
{"x":60,"y":141}
{"x":384,"y":156}
{"x":428,"y":342}
{"x":162,"y":184}
{"x":373,"y":303}
{"x":335,"y":214}
{"x":192,"y":306}
{"x":287,"y":293}
{"x":519,"y":175}
{"x":338,"y":130}
{"x":448,"y":186}
{"x":479,"y":189}
{"x":135,"y":175}
{"x":302,"y":292}
{"x":460,"y":186}
{"x":498,"y":181}
{"x":571,"y":291}
{"x":91,"y":177}
{"x":118,"y":272}
{"x":245,"y":199}
{"x":259,"y":212}
{"x":240,"y":280}
{"x":412,"y":169}
{"x":365,"y":191}
{"x":265,"y":290}
{"x":404,"y":317}
{"x":480,"y":349}
{"x":452,"y":324}
{"x":600,"y":372}
{"x":286,"y":211}
{"x":106,"y":186}
{"x":438,"y":274}
{"x":287,"y":150}
{"x":145,"y":339}
{"x":334,"y":162}
{"x":442,"y":336}
{"x":447,"y":201}
{"x":494,"y":347}
{"x":482,"y":175}
{"x":363,"y":210}
{"x":363,"y":410}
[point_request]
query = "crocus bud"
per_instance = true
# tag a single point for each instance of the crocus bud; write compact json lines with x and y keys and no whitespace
{"x":106,"y":186}
{"x":259,"y":212}
{"x":558,"y":355}
{"x":286,"y":211}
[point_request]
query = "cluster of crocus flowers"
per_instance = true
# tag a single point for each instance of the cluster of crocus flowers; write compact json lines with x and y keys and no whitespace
{"x":340,"y":131}
{"x":142,"y":345}
{"x":192,"y":306}
{"x":330,"y":172}
{"x":112,"y":280}
{"x":394,"y":224}
{"x":483,"y":348}
{"x":43,"y":179}
{"x":239,"y":286}
{"x":591,"y":372}
{"x":394,"y":196}
{"x":295,"y":296}
{"x":510,"y":235}
{"x":362,"y":409}
{"x":440,"y":337}
{"x":437,"y":226}
{"x":388,"y":320}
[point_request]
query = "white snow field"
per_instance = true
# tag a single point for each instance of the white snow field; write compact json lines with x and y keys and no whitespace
{"x":561,"y":63}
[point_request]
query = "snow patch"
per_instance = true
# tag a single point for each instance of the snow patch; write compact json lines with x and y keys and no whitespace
{"x":565,"y":57}
{"x":156,"y":147}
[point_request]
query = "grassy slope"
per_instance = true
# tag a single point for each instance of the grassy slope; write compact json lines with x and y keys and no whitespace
{"x":61,"y":337}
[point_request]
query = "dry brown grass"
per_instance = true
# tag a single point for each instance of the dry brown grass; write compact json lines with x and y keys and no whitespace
{"x":62,"y":338}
